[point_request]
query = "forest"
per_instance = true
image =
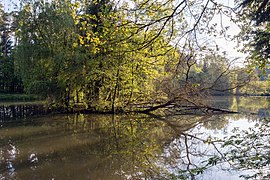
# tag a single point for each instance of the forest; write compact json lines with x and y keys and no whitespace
{"x":137,"y":55}
{"x":134,"y":89}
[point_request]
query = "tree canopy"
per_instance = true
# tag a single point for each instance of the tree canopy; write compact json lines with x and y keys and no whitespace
{"x":112,"y":56}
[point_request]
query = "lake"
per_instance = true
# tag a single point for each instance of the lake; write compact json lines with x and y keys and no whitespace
{"x":82,"y":146}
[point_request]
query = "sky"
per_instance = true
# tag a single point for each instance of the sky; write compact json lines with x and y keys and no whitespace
{"x":9,"y":5}
{"x":229,"y":46}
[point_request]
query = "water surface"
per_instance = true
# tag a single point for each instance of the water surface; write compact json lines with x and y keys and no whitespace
{"x":78,"y":146}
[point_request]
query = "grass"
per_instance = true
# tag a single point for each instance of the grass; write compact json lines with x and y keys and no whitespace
{"x":18,"y":97}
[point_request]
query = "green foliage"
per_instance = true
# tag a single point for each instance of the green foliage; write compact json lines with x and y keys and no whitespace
{"x":215,"y":74}
{"x":109,"y":56}
{"x":9,"y":81}
{"x":248,"y":149}
{"x":255,"y":30}
{"x":63,"y":53}
{"x":18,"y":97}
{"x":256,"y":88}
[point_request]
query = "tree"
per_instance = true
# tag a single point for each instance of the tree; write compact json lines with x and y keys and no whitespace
{"x":9,"y":82}
{"x":106,"y":56}
{"x":88,"y":58}
{"x":256,"y":30}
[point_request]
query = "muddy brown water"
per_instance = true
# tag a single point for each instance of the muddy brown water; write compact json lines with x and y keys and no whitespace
{"x":135,"y":146}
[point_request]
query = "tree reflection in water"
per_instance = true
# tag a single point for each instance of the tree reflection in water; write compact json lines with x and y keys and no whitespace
{"x":125,"y":147}
{"x":14,"y":111}
{"x":8,"y":155}
{"x":244,"y":153}
{"x":250,"y":149}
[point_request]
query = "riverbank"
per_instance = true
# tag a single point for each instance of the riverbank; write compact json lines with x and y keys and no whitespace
{"x":19,"y":97}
